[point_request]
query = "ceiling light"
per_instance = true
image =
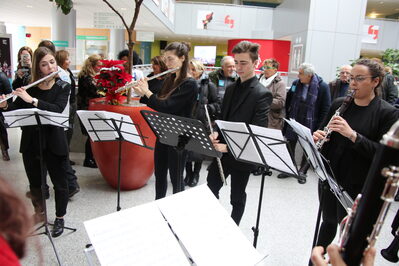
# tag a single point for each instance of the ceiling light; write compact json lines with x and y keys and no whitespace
{"x":123,"y":8}
{"x":373,"y":15}
{"x":29,"y":6}
{"x":381,"y":2}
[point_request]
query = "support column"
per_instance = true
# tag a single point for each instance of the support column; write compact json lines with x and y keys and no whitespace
{"x":63,"y":32}
{"x":117,"y":42}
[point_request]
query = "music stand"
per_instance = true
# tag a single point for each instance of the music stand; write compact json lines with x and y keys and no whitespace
{"x":181,"y":133}
{"x":36,"y":117}
{"x":109,"y":126}
{"x":318,"y":162}
{"x":253,"y":144}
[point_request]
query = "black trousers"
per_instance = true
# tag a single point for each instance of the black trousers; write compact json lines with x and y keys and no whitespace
{"x":56,"y":167}
{"x":332,"y":214}
{"x":239,"y":181}
{"x":291,"y":145}
{"x":3,"y":134}
{"x":166,"y":158}
{"x":88,"y":151}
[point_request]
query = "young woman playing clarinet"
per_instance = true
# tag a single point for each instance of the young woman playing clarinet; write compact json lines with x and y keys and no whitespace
{"x":176,"y":96}
{"x":50,"y":95}
{"x":354,"y":140}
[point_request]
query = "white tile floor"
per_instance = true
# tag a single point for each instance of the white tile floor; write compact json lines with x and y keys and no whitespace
{"x":286,"y":227}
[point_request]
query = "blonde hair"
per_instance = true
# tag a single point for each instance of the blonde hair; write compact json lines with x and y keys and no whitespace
{"x":199,"y":67}
{"x":88,"y":66}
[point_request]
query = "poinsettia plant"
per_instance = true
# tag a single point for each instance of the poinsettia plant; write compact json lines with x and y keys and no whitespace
{"x":112,"y":76}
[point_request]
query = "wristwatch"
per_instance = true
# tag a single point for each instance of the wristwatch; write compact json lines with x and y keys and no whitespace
{"x":34,"y":101}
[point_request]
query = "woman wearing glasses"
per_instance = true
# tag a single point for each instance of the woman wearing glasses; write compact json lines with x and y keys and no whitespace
{"x":354,"y":140}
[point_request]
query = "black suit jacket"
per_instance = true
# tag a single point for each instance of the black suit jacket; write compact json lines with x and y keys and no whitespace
{"x":252,"y":108}
{"x":53,"y":137}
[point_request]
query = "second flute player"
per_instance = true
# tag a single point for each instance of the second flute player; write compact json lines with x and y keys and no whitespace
{"x":248,"y":101}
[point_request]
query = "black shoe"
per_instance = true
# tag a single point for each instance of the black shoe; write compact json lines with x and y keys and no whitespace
{"x":90,"y":163}
{"x":188,"y":179}
{"x":28,"y":194}
{"x":397,"y":196}
{"x":302,"y":178}
{"x":283,"y":175}
{"x":58,"y":227}
{"x":73,"y":191}
{"x":194,"y":180}
{"x":71,"y":162}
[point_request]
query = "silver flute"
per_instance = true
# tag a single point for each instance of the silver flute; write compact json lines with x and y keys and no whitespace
{"x":10,"y":95}
{"x":219,"y":162}
{"x":338,"y":112}
{"x":133,"y":83}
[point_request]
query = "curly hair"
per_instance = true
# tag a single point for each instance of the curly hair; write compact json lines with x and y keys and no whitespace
{"x":88,"y":66}
{"x":15,"y":223}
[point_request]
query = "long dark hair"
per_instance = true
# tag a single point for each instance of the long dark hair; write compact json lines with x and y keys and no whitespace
{"x":171,"y":82}
{"x":37,"y":57}
{"x":14,"y":220}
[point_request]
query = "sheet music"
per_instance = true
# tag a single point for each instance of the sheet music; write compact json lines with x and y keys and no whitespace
{"x":236,"y":141}
{"x":100,"y":127}
{"x":276,"y":155}
{"x":305,"y":138}
{"x":26,"y":117}
{"x":137,"y":236}
{"x":216,"y":239}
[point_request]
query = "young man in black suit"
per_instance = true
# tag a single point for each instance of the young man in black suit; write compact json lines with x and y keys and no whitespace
{"x":246,"y":100}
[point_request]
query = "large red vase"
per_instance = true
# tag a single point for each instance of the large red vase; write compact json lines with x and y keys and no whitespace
{"x":137,"y":163}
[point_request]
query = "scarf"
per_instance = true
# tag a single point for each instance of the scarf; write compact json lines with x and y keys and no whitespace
{"x":267,"y":81}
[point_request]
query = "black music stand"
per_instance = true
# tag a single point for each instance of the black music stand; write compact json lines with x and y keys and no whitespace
{"x":318,"y":163}
{"x":36,"y":117}
{"x":252,"y":144}
{"x":108,"y":126}
{"x":181,"y":133}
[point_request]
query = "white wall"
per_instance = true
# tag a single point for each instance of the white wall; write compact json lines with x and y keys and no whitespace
{"x":249,"y":22}
{"x":388,"y":36}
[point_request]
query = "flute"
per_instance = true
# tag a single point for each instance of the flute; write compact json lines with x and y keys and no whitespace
{"x":10,"y":95}
{"x":133,"y":83}
{"x":219,"y":162}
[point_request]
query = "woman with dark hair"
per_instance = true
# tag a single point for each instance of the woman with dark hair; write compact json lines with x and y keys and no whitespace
{"x":23,"y":74}
{"x":155,"y":85}
{"x":354,"y":140}
{"x":15,"y":225}
{"x":87,"y":90}
{"x":50,"y":95}
{"x":176,"y":97}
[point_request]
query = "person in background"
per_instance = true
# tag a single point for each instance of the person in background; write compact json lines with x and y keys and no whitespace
{"x":63,"y":61}
{"x":389,"y":91}
{"x":207,"y":94}
{"x":50,"y":95}
{"x":87,"y":90}
{"x":5,"y":88}
{"x":15,"y":225}
{"x":176,"y":97}
{"x":124,"y":55}
{"x":339,"y":87}
{"x":23,"y":74}
{"x":308,"y":101}
{"x":158,"y":66}
{"x":225,"y":76}
{"x":247,"y":101}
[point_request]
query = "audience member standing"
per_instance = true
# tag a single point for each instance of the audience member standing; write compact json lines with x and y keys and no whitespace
{"x":87,"y":90}
{"x":225,"y":76}
{"x":389,"y":91}
{"x":308,"y":101}
{"x":339,"y":87}
{"x":5,"y":88}
{"x":23,"y":74}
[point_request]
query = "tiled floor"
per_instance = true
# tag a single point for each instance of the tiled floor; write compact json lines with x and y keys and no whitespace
{"x":287,"y":223}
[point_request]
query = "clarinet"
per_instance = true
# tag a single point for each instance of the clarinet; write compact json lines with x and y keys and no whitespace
{"x":377,"y":194}
{"x":348,"y":99}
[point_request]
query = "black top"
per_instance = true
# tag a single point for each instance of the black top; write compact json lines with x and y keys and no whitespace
{"x":180,"y":102}
{"x":5,"y":88}
{"x":350,"y":161}
{"x":72,"y":98}
{"x":154,"y":86}
{"x":23,"y":81}
{"x":53,"y":100}
{"x":86,"y":90}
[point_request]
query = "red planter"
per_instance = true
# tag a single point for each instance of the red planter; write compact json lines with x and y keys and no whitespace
{"x":137,"y":163}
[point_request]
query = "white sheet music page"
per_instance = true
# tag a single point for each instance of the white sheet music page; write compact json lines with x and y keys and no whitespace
{"x":137,"y":236}
{"x":96,"y":127}
{"x":206,"y":230}
{"x":26,"y":117}
{"x":274,"y":150}
{"x":128,"y":129}
{"x":236,"y":135}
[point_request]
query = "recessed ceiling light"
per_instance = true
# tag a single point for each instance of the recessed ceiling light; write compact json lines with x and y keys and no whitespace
{"x":373,"y":15}
{"x":381,"y":2}
{"x":29,"y":6}
{"x":123,"y":8}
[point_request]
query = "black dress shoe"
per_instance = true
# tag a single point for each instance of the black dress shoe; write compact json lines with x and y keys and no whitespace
{"x":283,"y":175}
{"x":89,"y":163}
{"x":257,"y":172}
{"x":58,"y":227}
{"x":194,"y":180}
{"x":71,"y":162}
{"x":302,"y":178}
{"x":73,"y":191}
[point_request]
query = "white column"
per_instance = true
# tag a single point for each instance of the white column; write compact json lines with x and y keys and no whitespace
{"x":63,"y":32}
{"x":117,"y":42}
